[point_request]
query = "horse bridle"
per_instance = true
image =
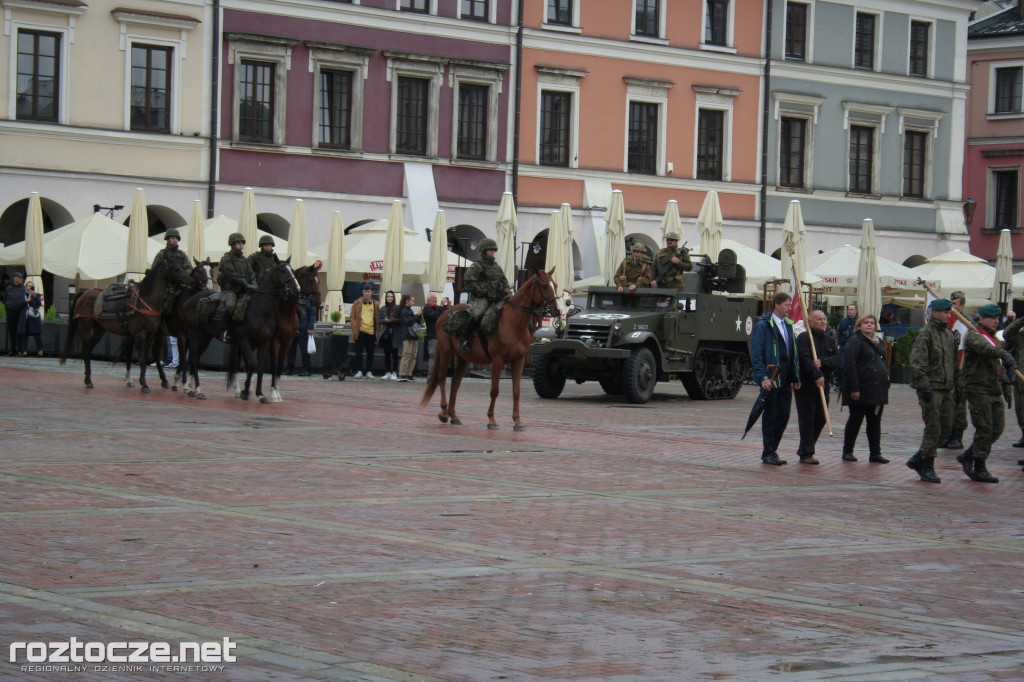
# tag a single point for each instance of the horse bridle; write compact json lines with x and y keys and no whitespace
{"x":284,"y":291}
{"x":538,"y":311}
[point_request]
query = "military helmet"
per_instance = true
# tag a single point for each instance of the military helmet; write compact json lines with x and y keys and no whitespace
{"x":267,"y":239}
{"x":672,"y":235}
{"x":171,"y":233}
{"x":486,"y":244}
{"x":638,"y":246}
{"x":236,"y":237}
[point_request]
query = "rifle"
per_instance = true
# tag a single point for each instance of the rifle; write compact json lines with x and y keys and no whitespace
{"x":682,"y":251}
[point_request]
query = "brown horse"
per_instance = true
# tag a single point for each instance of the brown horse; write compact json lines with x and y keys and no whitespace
{"x":140,"y":321}
{"x":174,"y":316}
{"x":508,"y":344}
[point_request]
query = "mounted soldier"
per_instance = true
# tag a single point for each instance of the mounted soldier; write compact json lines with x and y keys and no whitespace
{"x":487,"y":285}
{"x":173,"y":252}
{"x":264,"y":260}
{"x":237,"y":281}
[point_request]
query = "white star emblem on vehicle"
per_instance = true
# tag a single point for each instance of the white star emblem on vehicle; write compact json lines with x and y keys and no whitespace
{"x":739,"y":322}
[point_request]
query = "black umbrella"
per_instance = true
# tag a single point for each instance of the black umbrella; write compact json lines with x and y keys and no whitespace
{"x":758,"y":408}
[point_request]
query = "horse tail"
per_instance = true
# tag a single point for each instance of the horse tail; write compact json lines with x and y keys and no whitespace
{"x":428,"y":390}
{"x":69,"y":342}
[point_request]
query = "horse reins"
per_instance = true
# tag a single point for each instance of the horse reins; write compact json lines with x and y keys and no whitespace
{"x":537,"y":311}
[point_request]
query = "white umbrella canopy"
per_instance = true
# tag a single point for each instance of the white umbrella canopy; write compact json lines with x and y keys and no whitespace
{"x":34,"y":242}
{"x":394,"y":250}
{"x":195,"y":244}
{"x":508,"y":226}
{"x":437,"y":266}
{"x":554,"y":253}
{"x":334,"y":260}
{"x":216,"y":232}
{"x":760,"y":267}
{"x":794,"y":236}
{"x":615,"y":236}
{"x":247,"y":222}
{"x":93,"y":248}
{"x":838,"y":272}
{"x":670,"y":222}
{"x":568,"y":237}
{"x":138,"y":234}
{"x":869,"y":292}
{"x":709,"y":226}
{"x":296,"y":248}
{"x":959,"y":271}
{"x":1004,"y":270}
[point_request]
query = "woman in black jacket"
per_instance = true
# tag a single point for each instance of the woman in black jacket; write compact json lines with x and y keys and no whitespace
{"x":390,"y":335}
{"x":410,"y":320}
{"x":865,"y":388}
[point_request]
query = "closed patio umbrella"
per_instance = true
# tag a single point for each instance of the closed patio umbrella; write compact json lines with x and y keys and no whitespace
{"x":437,"y":265}
{"x":568,"y":237}
{"x":869,"y":292}
{"x":138,"y":235}
{"x":670,"y":223}
{"x":615,"y":236}
{"x":196,"y":242}
{"x":297,"y":249}
{"x":508,"y":226}
{"x":1004,"y":270}
{"x":247,"y":221}
{"x":335,"y":264}
{"x":709,"y":226}
{"x":394,"y":250}
{"x":794,"y":235}
{"x":34,"y":241}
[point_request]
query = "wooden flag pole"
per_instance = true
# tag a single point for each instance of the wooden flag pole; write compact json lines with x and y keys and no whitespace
{"x":810,"y":337}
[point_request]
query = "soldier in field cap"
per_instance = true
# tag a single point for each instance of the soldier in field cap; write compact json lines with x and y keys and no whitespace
{"x":934,"y":372}
{"x":635,"y":270}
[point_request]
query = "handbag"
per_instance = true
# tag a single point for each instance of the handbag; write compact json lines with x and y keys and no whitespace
{"x":310,"y":345}
{"x":33,"y":313}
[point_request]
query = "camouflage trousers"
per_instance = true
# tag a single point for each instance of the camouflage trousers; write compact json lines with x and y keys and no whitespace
{"x":936,"y":415}
{"x":989,"y":421}
{"x":960,"y":415}
{"x":1018,"y":402}
{"x":477,"y":308}
{"x":233,"y":304}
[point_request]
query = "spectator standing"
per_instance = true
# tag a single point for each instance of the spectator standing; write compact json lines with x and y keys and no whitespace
{"x":14,"y":303}
{"x":844,"y":330}
{"x":865,"y":388}
{"x":390,"y":335}
{"x":30,"y":321}
{"x":774,"y":345}
{"x":814,"y":373}
{"x":430,"y":312}
{"x":365,"y":320}
{"x":409,"y":330}
{"x":1007,"y":321}
{"x":307,"y":322}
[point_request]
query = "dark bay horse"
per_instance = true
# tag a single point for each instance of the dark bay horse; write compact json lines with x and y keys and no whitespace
{"x":174,"y":317}
{"x":508,"y":344}
{"x":140,"y":321}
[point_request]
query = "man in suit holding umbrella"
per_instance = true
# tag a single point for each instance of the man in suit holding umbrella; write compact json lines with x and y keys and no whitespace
{"x":774,"y":343}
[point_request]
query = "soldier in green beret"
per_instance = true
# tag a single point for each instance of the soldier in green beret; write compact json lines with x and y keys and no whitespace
{"x":236,"y":280}
{"x":264,"y":260}
{"x":635,"y":270}
{"x":668,"y":266}
{"x":986,"y":382}
{"x":487,"y":285}
{"x":934,"y":372}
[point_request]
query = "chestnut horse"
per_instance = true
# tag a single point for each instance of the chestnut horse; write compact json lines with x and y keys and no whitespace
{"x":508,"y":344}
{"x":141,"y":322}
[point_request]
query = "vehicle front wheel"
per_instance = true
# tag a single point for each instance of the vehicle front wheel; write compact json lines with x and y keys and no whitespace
{"x":639,"y":376}
{"x":548,"y":377}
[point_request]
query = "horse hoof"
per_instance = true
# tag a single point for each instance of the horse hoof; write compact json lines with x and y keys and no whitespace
{"x":145,"y":389}
{"x":492,"y":426}
{"x":173,"y":388}
{"x":164,"y":385}
{"x":519,"y":427}
{"x":456,"y":421}
{"x":88,"y":384}
{"x":264,"y":400}
{"x":441,"y":417}
{"x":190,"y":394}
{"x":200,"y":396}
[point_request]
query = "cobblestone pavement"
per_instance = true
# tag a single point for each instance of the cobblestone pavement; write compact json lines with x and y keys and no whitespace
{"x":346,"y":534}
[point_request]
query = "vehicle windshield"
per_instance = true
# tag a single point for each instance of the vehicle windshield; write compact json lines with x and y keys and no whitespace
{"x":605,"y":301}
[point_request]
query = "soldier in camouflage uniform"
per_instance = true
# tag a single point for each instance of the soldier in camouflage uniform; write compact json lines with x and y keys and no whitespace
{"x":985,"y":371}
{"x":487,"y":284}
{"x":1013,"y":341}
{"x":955,"y":439}
{"x":236,"y":280}
{"x":935,"y":373}
{"x":669,"y":268}
{"x":635,"y":270}
{"x":264,"y":260}
{"x":176,"y":254}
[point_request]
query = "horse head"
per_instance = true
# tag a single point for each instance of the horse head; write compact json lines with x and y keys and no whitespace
{"x":308,"y":277}
{"x":201,"y":277}
{"x":545,"y":291}
{"x":282,"y":281}
{"x":173,"y":273}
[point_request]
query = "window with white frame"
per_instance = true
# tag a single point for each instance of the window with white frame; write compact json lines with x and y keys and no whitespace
{"x":718,"y":23}
{"x":920,"y":48}
{"x":415,"y":91}
{"x":713,"y":133}
{"x":339,"y":73}
{"x":1005,"y":89}
{"x":39,"y":67}
{"x":562,"y":13}
{"x":919,"y":128}
{"x":648,"y":18}
{"x":1004,"y":198}
{"x":864,"y":124}
{"x":797,"y":15}
{"x":475,"y":116}
{"x":418,"y":6}
{"x":150,"y":98}
{"x":38,"y":75}
{"x":476,"y":10}
{"x":865,"y":36}
{"x":558,"y":116}
{"x":797,"y":115}
{"x":261,"y":68}
{"x":646,"y":117}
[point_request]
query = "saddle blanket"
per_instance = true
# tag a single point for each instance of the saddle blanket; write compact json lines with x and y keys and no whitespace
{"x":114,"y":301}
{"x":457,"y":321}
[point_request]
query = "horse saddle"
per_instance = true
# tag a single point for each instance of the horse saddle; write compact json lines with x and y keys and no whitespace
{"x":117,"y":300}
{"x":457,"y":320}
{"x":207,"y":306}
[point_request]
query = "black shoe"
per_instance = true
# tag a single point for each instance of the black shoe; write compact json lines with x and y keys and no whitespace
{"x":927,"y":472}
{"x":809,"y":459}
{"x":1019,"y":444}
{"x":982,"y":475}
{"x":915,"y":462}
{"x":772,"y":459}
{"x":954,"y":442}
{"x":966,"y":459}
{"x":878,"y":459}
{"x":848,"y":457}
{"x":304,"y":373}
{"x":288,"y":371}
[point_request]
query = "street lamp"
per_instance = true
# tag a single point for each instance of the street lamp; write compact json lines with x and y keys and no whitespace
{"x":969,"y":207}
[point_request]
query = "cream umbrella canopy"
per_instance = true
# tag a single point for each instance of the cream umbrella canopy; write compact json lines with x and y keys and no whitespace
{"x":615,"y":236}
{"x":196,"y":244}
{"x":34,"y":242}
{"x":247,"y":221}
{"x":554,"y":253}
{"x":709,"y":226}
{"x":437,"y":265}
{"x":838,"y":270}
{"x":568,"y":237}
{"x":959,"y":271}
{"x":365,"y":245}
{"x":508,"y":226}
{"x":1004,"y":270}
{"x":138,"y":234}
{"x":335,"y":267}
{"x":670,"y":223}
{"x":297,"y":249}
{"x":869,"y":292}
{"x":794,"y":235}
{"x":394,"y":250}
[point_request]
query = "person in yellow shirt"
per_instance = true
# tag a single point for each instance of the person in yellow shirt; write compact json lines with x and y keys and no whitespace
{"x":365,"y":321}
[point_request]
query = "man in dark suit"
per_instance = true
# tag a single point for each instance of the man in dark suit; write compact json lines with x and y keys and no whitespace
{"x":814,"y":373}
{"x":774,"y":343}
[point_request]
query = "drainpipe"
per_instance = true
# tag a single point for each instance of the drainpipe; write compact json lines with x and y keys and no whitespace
{"x":211,"y":190}
{"x":518,"y":104}
{"x":765,"y":108}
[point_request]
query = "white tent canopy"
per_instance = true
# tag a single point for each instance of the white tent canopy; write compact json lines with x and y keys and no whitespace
{"x":838,"y":273}
{"x":364,"y":254}
{"x":215,"y":239}
{"x":960,"y":271}
{"x":760,"y":267}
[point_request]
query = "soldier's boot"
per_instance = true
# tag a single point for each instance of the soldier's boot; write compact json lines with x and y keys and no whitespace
{"x":927,"y":472}
{"x":955,"y":440}
{"x":915,"y":462}
{"x":966,"y":459}
{"x":467,"y":335}
{"x":1020,"y":443}
{"x":982,"y":475}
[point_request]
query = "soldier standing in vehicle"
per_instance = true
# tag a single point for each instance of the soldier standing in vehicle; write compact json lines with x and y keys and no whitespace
{"x":935,"y":373}
{"x":264,"y":260}
{"x":670,"y":264}
{"x":634,"y":271}
{"x":236,"y":280}
{"x":487,"y":285}
{"x":986,"y":384}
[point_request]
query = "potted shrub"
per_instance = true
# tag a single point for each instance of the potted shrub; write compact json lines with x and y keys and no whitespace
{"x":901,"y":356}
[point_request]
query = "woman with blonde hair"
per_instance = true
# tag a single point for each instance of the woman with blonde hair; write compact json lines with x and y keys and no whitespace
{"x":865,"y":388}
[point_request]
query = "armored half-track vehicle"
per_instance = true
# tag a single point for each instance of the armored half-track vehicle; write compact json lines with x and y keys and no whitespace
{"x":630,"y":341}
